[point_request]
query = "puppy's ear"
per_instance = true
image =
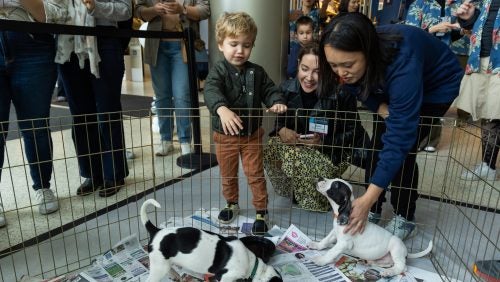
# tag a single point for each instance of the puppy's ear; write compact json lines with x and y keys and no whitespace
{"x":276,"y":279}
{"x":344,"y":194}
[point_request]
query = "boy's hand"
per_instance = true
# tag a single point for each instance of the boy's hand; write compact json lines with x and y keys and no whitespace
{"x":231,"y":122}
{"x":277,"y":108}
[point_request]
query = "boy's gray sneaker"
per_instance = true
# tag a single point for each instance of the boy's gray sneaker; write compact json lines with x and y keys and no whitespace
{"x":47,"y":201}
{"x":229,"y":213}
{"x":401,"y":227}
{"x":374,"y":217}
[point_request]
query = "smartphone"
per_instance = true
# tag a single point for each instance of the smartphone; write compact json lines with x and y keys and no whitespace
{"x":306,"y":136}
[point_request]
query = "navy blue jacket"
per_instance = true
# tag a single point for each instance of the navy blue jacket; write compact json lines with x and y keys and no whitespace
{"x":424,"y":70}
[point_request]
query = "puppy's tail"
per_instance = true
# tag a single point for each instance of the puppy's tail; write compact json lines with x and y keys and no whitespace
{"x":144,"y":216}
{"x":422,"y":253}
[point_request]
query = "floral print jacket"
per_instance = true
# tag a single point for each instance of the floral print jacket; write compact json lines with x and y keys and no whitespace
{"x":427,"y":13}
{"x":475,"y":41}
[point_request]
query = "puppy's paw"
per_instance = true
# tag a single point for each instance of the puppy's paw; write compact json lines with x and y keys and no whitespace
{"x":321,"y":260}
{"x":314,"y":245}
{"x":388,"y":273}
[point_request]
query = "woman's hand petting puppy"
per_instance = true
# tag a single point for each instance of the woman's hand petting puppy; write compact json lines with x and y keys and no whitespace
{"x":360,"y":208}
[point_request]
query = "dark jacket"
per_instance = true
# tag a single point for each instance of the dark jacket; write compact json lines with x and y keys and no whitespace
{"x":415,"y":77}
{"x":241,"y":91}
{"x":350,"y":138}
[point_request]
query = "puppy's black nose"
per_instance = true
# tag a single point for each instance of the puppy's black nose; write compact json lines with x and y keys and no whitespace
{"x":319,"y":179}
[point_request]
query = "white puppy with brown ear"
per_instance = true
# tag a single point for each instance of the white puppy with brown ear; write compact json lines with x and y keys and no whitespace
{"x":375,"y":244}
{"x":226,"y":258}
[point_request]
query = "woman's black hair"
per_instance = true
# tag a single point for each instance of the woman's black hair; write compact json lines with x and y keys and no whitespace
{"x":309,"y":48}
{"x":354,"y":32}
{"x":344,"y":6}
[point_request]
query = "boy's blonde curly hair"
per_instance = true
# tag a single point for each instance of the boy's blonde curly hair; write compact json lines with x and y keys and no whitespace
{"x":234,"y":24}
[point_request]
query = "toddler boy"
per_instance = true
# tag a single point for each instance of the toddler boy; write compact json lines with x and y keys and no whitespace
{"x":234,"y":92}
{"x":305,"y":35}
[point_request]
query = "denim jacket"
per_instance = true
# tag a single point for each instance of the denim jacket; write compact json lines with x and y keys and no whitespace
{"x":241,"y":91}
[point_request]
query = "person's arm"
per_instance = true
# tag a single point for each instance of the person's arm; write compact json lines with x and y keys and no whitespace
{"x":405,"y":89}
{"x":117,"y":10}
{"x":147,"y":13}
{"x":199,"y":12}
{"x":35,"y":8}
{"x":46,"y":11}
{"x":324,"y":7}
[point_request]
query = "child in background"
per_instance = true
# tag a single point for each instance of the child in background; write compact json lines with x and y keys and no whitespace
{"x":305,"y":35}
{"x":234,"y":92}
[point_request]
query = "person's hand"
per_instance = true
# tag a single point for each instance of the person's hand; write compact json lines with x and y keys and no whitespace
{"x":90,"y":4}
{"x":466,"y":10}
{"x":443,"y":27}
{"x":294,"y":15}
{"x":277,"y":108}
{"x":383,"y":110}
{"x":311,"y":142}
{"x":173,"y":7}
{"x":360,"y":208}
{"x":160,"y":9}
{"x":288,"y":136}
{"x":231,"y":122}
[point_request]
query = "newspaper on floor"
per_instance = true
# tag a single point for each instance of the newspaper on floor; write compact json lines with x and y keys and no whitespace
{"x":128,"y":261}
{"x":207,"y":220}
{"x":297,"y":267}
{"x":356,"y":270}
{"x":293,"y":240}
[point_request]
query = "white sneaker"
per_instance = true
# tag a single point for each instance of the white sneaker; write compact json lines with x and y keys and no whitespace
{"x":482,"y":170}
{"x":164,"y":149}
{"x":401,"y":227}
{"x":47,"y":202}
{"x":186,"y":148}
{"x":2,"y":217}
{"x":430,"y":149}
{"x":130,"y":154}
{"x":155,"y":125}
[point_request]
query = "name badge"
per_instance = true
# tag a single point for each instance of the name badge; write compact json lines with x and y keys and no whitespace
{"x":318,"y":125}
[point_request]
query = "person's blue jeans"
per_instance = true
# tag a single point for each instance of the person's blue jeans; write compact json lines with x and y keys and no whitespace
{"x":171,"y":86}
{"x":27,"y":78}
{"x":96,"y":108}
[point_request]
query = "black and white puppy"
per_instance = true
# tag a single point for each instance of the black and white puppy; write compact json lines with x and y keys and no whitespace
{"x":201,"y":251}
{"x":376,"y":245}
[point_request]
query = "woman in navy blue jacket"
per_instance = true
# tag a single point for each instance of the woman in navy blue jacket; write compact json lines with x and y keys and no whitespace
{"x":401,"y":73}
